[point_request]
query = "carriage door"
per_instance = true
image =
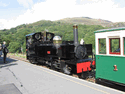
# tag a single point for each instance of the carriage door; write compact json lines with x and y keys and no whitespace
{"x":116,"y":61}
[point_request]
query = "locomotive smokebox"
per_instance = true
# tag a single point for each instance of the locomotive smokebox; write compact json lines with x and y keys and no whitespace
{"x":75,"y":31}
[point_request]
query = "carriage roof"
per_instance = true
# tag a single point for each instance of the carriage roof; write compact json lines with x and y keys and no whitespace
{"x":111,"y":29}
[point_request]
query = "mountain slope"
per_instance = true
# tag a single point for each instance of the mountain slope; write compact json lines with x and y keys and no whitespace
{"x":91,"y":21}
{"x":87,"y":21}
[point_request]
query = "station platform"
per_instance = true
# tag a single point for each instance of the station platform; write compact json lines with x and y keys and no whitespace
{"x":19,"y":77}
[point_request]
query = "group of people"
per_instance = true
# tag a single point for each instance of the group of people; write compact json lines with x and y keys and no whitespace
{"x":4,"y":51}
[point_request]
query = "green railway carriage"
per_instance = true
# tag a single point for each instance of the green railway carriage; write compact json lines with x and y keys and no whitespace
{"x":110,"y":55}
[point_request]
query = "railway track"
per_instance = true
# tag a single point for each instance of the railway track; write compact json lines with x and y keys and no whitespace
{"x":23,"y":59}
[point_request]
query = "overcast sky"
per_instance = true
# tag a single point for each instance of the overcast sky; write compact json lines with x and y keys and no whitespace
{"x":16,"y":12}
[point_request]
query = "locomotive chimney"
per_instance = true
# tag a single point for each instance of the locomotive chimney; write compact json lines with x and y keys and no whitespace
{"x":75,"y":31}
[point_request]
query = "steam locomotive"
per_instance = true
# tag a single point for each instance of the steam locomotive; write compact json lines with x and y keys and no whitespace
{"x":67,"y":56}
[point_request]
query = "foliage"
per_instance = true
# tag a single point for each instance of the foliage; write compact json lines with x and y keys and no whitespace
{"x":15,"y":37}
{"x":102,"y":46}
{"x":115,"y":45}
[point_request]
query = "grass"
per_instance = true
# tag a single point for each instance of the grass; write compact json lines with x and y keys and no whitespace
{"x":18,"y":55}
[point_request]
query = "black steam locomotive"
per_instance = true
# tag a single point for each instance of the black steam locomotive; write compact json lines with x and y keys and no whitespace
{"x":67,"y":56}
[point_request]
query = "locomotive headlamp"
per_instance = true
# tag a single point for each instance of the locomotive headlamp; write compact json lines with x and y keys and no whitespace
{"x":37,"y":36}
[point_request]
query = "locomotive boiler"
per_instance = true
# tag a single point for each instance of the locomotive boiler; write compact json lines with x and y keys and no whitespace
{"x":67,"y":56}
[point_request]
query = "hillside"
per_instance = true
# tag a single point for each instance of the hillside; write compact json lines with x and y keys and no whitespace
{"x":91,"y":21}
{"x":15,"y":37}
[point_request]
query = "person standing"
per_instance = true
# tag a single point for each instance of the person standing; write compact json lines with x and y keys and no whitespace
{"x":0,"y":50}
{"x":5,"y":51}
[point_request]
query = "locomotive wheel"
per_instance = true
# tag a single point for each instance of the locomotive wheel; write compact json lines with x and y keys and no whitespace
{"x":66,"y":70}
{"x":98,"y":81}
{"x":32,"y":61}
{"x":83,"y":75}
{"x":52,"y":67}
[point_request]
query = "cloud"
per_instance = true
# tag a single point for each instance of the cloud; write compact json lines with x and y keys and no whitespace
{"x":3,"y":4}
{"x":25,"y":3}
{"x":58,"y":9}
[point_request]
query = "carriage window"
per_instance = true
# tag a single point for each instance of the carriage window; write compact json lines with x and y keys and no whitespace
{"x":114,"y":46}
{"x":102,"y":46}
{"x":124,"y":45}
